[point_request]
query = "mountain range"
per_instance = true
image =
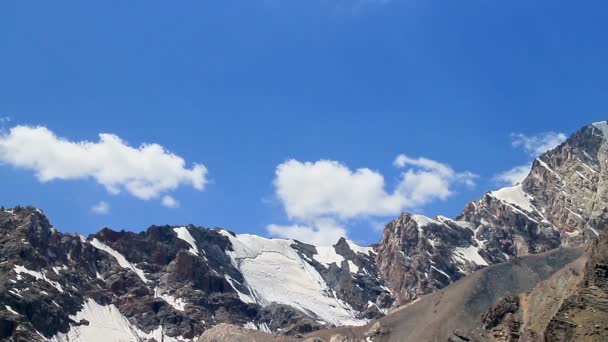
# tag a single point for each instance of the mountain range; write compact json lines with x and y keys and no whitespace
{"x":528,"y":262}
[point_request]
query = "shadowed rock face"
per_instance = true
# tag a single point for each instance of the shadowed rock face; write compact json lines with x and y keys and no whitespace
{"x":562,"y":202}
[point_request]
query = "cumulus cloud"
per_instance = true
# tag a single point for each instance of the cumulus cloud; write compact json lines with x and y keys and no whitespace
{"x":514,"y":175}
{"x":309,"y":190}
{"x":314,"y":191}
{"x":170,"y":202}
{"x":101,"y":208}
{"x":425,"y":180}
{"x":533,"y":146}
{"x":146,"y":172}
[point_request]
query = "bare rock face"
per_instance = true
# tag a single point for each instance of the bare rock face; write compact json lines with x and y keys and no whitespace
{"x":418,"y":255}
{"x":583,"y":316}
{"x":562,"y":202}
{"x":571,"y":305}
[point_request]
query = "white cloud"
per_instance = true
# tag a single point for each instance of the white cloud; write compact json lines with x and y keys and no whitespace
{"x":311,"y":192}
{"x":426,"y":180}
{"x":101,"y":208}
{"x":324,"y":232}
{"x":170,"y":202}
{"x":514,"y":175}
{"x":533,"y":146}
{"x":312,"y":189}
{"x":145,"y":172}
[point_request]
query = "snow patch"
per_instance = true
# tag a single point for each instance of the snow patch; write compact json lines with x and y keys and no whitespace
{"x":177,"y":303}
{"x":122,"y":261}
{"x":106,"y":324}
{"x":514,"y":195}
{"x":11,"y":310}
{"x":422,"y":220}
{"x":359,"y":249}
{"x":261,"y":327}
{"x":57,"y":269}
{"x":440,"y":271}
{"x":582,"y":176}
{"x":471,"y":254}
{"x":603,"y":127}
{"x":38,"y":275}
{"x":184,"y":234}
{"x":327,"y":255}
{"x":277,"y":273}
{"x":352,"y":267}
{"x":594,"y":231}
{"x":575,"y":214}
{"x":461,"y":224}
{"x":245,"y":298}
{"x":543,"y":164}
{"x":16,"y":292}
{"x":589,"y":167}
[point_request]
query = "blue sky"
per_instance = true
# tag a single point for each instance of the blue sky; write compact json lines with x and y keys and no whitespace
{"x":242,"y":87}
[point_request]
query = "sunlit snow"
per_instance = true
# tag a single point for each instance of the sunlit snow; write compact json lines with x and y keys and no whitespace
{"x":184,"y":234}
{"x":122,"y":261}
{"x":278,"y":274}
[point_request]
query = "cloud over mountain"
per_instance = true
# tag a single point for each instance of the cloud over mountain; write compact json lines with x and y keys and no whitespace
{"x":533,"y":146}
{"x":314,"y":194}
{"x":146,"y":172}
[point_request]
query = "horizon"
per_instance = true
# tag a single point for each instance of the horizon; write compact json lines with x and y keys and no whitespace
{"x":285,"y":119}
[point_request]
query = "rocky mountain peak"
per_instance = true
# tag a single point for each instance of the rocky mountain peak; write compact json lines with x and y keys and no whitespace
{"x":30,"y":221}
{"x":562,"y":202}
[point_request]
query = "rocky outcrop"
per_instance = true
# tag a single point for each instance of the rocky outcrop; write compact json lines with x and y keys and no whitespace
{"x":583,"y":316}
{"x":418,"y":255}
{"x":571,"y":305}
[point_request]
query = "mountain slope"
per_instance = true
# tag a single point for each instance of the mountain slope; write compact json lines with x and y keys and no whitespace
{"x":559,"y":295}
{"x":458,"y":307}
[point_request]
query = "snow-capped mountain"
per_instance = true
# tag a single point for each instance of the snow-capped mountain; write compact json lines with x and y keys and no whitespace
{"x":175,"y":282}
{"x":172,"y":283}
